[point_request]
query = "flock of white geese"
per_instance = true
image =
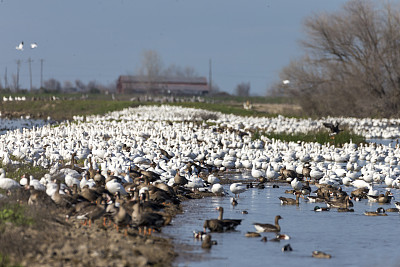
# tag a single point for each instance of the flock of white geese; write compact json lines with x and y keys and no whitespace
{"x":209,"y":138}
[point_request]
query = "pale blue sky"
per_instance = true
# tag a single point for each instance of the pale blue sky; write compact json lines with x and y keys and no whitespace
{"x":248,"y":41}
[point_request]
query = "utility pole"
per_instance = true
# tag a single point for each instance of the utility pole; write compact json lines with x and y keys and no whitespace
{"x":210,"y":76}
{"x":41,"y":73}
{"x":30,"y":73}
{"x":18,"y":66}
{"x":5,"y":79}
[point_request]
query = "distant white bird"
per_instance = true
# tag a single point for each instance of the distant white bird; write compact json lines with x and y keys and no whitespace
{"x":20,"y":47}
{"x":285,"y":81}
{"x":33,"y":45}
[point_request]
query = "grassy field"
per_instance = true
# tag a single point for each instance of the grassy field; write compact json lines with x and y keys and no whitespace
{"x":321,"y":137}
{"x":67,"y":106}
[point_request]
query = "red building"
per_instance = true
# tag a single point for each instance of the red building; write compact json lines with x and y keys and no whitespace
{"x":163,"y":85}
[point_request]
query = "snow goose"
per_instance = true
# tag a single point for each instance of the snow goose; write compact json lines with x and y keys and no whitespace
{"x":217,"y":189}
{"x":7,"y":183}
{"x":20,"y":46}
{"x":296,"y":185}
{"x":237,"y":188}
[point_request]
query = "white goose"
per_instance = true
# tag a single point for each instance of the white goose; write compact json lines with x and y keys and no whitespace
{"x":7,"y":183}
{"x":237,"y":188}
{"x":20,"y":46}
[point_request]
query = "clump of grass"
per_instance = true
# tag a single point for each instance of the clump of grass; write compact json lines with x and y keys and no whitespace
{"x":5,"y":261}
{"x":16,"y":171}
{"x":14,"y":213}
{"x":321,"y":137}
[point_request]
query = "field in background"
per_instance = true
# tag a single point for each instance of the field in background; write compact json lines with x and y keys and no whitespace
{"x":65,"y":106}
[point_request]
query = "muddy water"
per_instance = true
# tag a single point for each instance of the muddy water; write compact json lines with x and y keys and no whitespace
{"x":352,"y":239}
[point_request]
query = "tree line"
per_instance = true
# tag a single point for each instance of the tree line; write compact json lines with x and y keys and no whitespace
{"x":351,"y":62}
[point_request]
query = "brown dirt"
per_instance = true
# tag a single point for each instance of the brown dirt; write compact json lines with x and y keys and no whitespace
{"x":52,"y":241}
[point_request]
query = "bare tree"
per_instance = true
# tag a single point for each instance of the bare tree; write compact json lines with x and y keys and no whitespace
{"x":243,"y":89}
{"x":351,"y":64}
{"x":177,"y":71}
{"x":80,"y":85}
{"x":68,"y":86}
{"x":151,"y":68}
{"x":52,"y":85}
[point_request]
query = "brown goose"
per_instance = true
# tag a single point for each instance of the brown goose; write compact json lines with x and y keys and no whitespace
{"x":89,"y":194}
{"x":143,"y":220}
{"x":207,"y":242}
{"x":74,"y":163}
{"x":266,"y":227}
{"x":385,"y":198}
{"x":321,"y":255}
{"x":91,"y":212}
{"x":99,"y":178}
{"x":220,"y":224}
{"x":38,"y":197}
{"x":180,"y":180}
{"x":306,"y":171}
{"x":91,"y":171}
{"x":290,"y":201}
{"x":65,"y":201}
{"x":121,"y":218}
{"x":345,"y":203}
{"x":232,"y":222}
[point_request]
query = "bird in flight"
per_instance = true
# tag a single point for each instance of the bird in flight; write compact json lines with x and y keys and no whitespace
{"x":33,"y":45}
{"x":286,"y":82}
{"x":20,"y":47}
{"x":334,"y":128}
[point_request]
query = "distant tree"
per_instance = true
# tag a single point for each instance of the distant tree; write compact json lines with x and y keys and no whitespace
{"x":351,"y":64}
{"x":68,"y":86}
{"x":80,"y":86}
{"x":243,"y":89}
{"x":52,"y":85}
{"x":151,"y":68}
{"x":177,"y":71}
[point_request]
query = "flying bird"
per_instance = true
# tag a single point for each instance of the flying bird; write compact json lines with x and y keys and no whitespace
{"x":33,"y":45}
{"x":334,"y":128}
{"x":20,"y":47}
{"x":286,"y":82}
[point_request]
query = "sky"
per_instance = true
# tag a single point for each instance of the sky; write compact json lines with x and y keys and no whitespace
{"x":87,"y":40}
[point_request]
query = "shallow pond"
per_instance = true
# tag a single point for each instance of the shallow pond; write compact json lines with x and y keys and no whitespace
{"x":352,"y":238}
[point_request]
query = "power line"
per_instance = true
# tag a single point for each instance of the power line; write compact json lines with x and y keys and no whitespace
{"x":41,"y":73}
{"x":5,"y":79}
{"x":30,"y":72}
{"x":18,"y":66}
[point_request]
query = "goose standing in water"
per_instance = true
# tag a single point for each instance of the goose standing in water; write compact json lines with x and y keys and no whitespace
{"x":237,"y":188}
{"x":266,"y":227}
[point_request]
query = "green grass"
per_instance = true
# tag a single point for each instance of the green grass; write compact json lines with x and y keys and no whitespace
{"x":14,"y":213}
{"x":64,"y":109}
{"x":16,"y":171}
{"x":5,"y":261}
{"x":321,"y":137}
